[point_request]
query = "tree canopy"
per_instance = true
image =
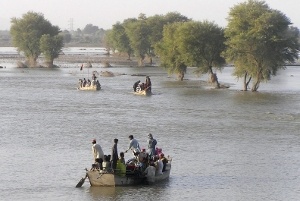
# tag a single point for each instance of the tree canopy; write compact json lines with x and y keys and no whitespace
{"x":192,"y":44}
{"x":259,"y":42}
{"x":26,"y":33}
{"x":168,"y":50}
{"x":202,"y":43}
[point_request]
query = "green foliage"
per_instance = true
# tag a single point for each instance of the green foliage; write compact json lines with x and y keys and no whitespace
{"x":201,"y":44}
{"x":120,"y":39}
{"x":51,"y":46}
{"x":191,"y":44}
{"x":90,"y":29}
{"x":156,"y":24}
{"x":27,"y":31}
{"x":138,"y":34}
{"x":168,"y":50}
{"x":260,"y":41}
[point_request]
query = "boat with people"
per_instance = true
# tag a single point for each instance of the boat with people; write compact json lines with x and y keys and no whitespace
{"x":88,"y":85}
{"x":143,"y":92}
{"x":132,"y":173}
{"x":94,"y":86}
{"x":143,"y":89}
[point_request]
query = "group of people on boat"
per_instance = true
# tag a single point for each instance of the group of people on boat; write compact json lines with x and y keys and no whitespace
{"x":138,"y":86}
{"x":87,"y":83}
{"x":143,"y":163}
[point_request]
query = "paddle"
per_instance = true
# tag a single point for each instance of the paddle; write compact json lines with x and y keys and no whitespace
{"x":80,"y":183}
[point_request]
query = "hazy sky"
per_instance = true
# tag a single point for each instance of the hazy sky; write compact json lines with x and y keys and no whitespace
{"x":104,"y":14}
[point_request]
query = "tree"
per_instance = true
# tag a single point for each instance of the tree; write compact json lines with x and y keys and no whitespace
{"x":66,"y":36}
{"x":108,"y":41}
{"x":26,"y":33}
{"x":260,"y":42}
{"x":121,"y":40}
{"x":168,"y":50}
{"x":156,"y":25}
{"x":51,"y":47}
{"x":90,"y":29}
{"x":138,"y":34}
{"x":201,"y":44}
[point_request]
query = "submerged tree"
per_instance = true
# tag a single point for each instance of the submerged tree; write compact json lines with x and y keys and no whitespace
{"x":168,"y":50}
{"x":26,"y":33}
{"x":202,"y":43}
{"x":51,"y":47}
{"x":138,"y":34}
{"x":120,"y":39}
{"x":260,"y":42}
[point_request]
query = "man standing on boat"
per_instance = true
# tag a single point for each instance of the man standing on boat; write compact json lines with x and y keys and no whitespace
{"x":133,"y":145}
{"x":114,"y":155}
{"x":97,"y":150}
{"x":151,"y":145}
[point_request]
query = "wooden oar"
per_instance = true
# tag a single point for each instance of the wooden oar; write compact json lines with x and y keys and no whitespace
{"x":80,"y":183}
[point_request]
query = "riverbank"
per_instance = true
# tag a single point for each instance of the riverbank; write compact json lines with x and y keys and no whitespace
{"x":104,"y":60}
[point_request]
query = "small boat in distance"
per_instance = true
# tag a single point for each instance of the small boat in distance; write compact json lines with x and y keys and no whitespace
{"x":88,"y":85}
{"x":93,"y":85}
{"x":143,"y":92}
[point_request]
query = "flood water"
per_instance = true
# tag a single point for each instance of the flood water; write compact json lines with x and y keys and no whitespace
{"x":226,"y":144}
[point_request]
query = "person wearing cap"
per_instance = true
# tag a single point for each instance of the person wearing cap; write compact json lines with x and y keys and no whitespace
{"x":97,"y":150}
{"x":133,"y":145}
{"x":151,"y":145}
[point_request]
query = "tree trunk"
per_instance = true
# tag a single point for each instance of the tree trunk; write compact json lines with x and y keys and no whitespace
{"x":31,"y":62}
{"x":150,"y":61}
{"x":181,"y":76}
{"x":141,"y":62}
{"x":246,"y":83}
{"x":49,"y":64}
{"x":214,"y":78}
{"x":255,"y":86}
{"x":257,"y":82}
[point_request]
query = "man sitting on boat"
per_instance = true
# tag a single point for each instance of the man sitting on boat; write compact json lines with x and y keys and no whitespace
{"x":150,"y":173}
{"x":136,"y":85}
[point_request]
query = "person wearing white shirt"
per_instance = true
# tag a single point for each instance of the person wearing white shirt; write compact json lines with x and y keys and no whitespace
{"x":97,"y":150}
{"x":159,"y":167}
{"x":150,"y":173}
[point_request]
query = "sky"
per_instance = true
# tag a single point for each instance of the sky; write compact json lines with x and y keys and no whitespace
{"x":74,"y":14}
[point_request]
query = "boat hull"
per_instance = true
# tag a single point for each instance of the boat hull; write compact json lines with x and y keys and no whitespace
{"x":90,"y":88}
{"x":143,"y":93}
{"x":109,"y":179}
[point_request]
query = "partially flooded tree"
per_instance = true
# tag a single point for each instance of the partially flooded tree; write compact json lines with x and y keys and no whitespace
{"x":120,"y":39}
{"x":138,"y":34}
{"x":260,"y":42}
{"x":156,"y":25}
{"x":26,"y":33}
{"x":51,"y":46}
{"x":168,"y":50}
{"x":201,"y":44}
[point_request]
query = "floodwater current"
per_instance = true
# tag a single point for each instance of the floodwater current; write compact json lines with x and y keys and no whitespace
{"x":226,"y":144}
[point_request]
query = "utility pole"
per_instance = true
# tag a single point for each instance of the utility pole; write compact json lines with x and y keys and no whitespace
{"x":71,"y":25}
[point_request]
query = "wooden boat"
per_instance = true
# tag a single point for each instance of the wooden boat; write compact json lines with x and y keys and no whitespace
{"x":132,"y":177}
{"x":96,"y":178}
{"x":143,"y":92}
{"x":94,"y":86}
